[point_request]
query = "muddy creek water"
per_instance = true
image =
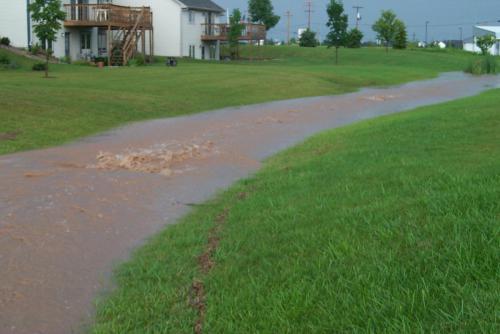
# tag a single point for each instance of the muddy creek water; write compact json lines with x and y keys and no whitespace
{"x":69,"y":214}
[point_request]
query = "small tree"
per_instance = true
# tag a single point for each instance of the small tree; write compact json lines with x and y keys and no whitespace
{"x":385,"y":27}
{"x":236,"y":27}
{"x":262,"y":11}
{"x":337,"y":22}
{"x":308,"y":39}
{"x":485,"y":43}
{"x":354,"y":38}
{"x":400,"y":35}
{"x":47,"y":16}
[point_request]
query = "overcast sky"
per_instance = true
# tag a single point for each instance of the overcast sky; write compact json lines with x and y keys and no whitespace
{"x":445,"y":16}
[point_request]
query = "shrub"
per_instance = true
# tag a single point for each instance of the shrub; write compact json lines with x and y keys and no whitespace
{"x":4,"y":59}
{"x":137,"y":61}
{"x":65,"y":60}
{"x":482,"y":65}
{"x":36,"y":49}
{"x":5,"y":41}
{"x":39,"y":67}
{"x":10,"y":66}
{"x":308,"y":39}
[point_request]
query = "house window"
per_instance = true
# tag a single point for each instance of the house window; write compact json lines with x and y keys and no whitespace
{"x":192,"y":51}
{"x":85,"y":42}
{"x":192,"y":17}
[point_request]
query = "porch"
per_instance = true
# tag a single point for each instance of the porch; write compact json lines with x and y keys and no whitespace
{"x":125,"y":30}
{"x":220,"y":32}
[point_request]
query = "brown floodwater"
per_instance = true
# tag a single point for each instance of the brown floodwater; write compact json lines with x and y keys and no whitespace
{"x":70,"y":214}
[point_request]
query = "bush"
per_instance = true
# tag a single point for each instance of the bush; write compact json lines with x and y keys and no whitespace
{"x":36,"y":49}
{"x":4,"y":59}
{"x":39,"y":67}
{"x":137,"y":61}
{"x":308,"y":39}
{"x":65,"y":60}
{"x":5,"y":41}
{"x":482,"y":65}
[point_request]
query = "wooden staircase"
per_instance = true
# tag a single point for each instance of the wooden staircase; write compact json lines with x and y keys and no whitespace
{"x":124,"y":45}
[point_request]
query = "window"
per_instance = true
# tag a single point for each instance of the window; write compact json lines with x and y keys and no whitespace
{"x":192,"y":17}
{"x":85,"y":43}
{"x":192,"y":51}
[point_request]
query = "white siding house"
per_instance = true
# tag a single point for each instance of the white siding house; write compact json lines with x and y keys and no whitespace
{"x":471,"y":43}
{"x":177,"y":28}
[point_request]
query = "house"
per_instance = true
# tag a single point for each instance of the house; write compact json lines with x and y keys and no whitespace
{"x":470,"y":44}
{"x":119,"y":29}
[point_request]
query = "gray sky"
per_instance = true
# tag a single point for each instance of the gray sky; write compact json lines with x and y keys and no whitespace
{"x":445,"y":16}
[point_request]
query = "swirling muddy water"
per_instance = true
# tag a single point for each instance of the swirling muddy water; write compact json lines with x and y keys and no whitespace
{"x":69,"y":214}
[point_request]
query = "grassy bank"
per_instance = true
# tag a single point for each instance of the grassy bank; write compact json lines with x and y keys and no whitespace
{"x":390,"y":225}
{"x":79,"y":101}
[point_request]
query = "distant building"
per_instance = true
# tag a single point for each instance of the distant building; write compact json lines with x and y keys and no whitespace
{"x":470,"y":44}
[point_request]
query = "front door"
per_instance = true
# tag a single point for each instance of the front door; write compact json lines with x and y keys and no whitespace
{"x":86,"y":44}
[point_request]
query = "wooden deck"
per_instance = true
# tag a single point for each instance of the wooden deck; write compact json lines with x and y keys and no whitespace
{"x":220,"y":32}
{"x":107,"y":15}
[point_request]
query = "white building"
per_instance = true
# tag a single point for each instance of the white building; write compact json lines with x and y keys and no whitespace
{"x":174,"y":28}
{"x":471,"y":43}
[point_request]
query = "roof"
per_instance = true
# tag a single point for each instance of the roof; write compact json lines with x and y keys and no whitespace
{"x":202,"y":5}
{"x":493,"y":29}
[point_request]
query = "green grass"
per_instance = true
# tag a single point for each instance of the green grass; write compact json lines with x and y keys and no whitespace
{"x":387,"y":226}
{"x":80,"y":101}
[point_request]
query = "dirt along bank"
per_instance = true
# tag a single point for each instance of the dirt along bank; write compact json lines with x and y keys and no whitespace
{"x":69,"y":214}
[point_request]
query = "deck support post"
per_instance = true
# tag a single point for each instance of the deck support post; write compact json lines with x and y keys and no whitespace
{"x":110,"y":45}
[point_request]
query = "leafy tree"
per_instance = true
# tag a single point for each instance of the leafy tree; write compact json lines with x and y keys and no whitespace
{"x":337,"y":22}
{"x":308,"y":39}
{"x":485,"y":43}
{"x":400,"y":35}
{"x":47,"y":16}
{"x":236,"y":28}
{"x":354,"y":38}
{"x":385,"y":27}
{"x":293,"y":41}
{"x":262,"y":11}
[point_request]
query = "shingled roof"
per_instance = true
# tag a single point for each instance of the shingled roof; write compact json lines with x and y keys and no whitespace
{"x":202,"y":5}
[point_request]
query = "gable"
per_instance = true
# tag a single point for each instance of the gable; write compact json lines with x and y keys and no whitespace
{"x":207,"y":5}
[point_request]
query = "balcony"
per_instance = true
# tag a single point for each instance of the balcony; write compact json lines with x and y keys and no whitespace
{"x":220,"y":32}
{"x":107,"y":15}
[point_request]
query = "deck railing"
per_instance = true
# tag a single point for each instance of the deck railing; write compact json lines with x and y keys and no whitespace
{"x":97,"y":15}
{"x":220,"y":31}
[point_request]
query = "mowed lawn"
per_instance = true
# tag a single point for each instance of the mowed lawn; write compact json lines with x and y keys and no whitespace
{"x":387,"y":226}
{"x":78,"y":101}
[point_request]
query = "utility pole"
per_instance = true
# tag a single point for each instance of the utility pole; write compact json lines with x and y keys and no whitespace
{"x":358,"y":15}
{"x":426,"y":32}
{"x":288,"y":15}
{"x":309,"y":11}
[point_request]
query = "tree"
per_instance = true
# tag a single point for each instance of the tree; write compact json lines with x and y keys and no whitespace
{"x":47,"y":16}
{"x":236,"y":27}
{"x":262,"y":11}
{"x":400,"y":35}
{"x":385,"y":27}
{"x":485,"y":43}
{"x":354,"y":38}
{"x":308,"y":39}
{"x":337,"y":22}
